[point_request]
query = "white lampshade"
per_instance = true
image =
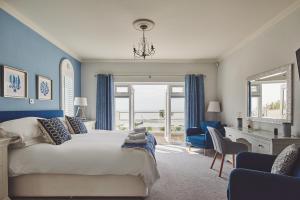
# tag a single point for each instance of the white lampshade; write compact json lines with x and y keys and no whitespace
{"x":214,"y":106}
{"x":80,"y":101}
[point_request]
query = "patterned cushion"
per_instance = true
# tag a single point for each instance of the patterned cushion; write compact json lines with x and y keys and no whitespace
{"x":285,"y":161}
{"x":54,"y":130}
{"x":75,"y":125}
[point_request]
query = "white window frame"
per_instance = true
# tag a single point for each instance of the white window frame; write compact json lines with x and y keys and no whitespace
{"x":66,"y":71}
{"x":122,"y":94}
{"x":176,"y":94}
{"x":128,"y":95}
{"x":169,"y":97}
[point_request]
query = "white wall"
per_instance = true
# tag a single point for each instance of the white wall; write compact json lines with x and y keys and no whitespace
{"x":271,"y":49}
{"x":89,"y":69}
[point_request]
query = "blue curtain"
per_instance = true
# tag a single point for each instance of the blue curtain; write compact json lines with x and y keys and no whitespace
{"x":105,"y":102}
{"x":194,"y":100}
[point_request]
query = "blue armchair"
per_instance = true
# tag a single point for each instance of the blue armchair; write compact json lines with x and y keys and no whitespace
{"x":252,"y":179}
{"x":199,"y":136}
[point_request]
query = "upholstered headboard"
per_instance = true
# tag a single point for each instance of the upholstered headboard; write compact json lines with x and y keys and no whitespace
{"x":9,"y":115}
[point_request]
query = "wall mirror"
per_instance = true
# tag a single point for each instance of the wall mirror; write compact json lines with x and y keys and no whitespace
{"x":269,"y":95}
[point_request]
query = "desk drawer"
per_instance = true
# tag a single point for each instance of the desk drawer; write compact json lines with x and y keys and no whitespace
{"x":231,"y":136}
{"x":261,"y":146}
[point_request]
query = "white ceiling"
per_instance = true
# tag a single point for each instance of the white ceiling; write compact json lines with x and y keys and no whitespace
{"x":185,"y":29}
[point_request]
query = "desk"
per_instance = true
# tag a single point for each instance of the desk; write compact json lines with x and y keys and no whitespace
{"x":261,"y":141}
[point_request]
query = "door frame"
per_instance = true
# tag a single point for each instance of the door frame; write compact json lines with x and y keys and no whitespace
{"x":168,"y":108}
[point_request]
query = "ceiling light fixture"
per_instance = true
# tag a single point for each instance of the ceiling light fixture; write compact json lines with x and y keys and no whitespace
{"x":143,"y":49}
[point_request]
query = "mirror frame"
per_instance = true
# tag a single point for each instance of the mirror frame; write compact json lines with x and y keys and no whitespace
{"x":289,"y":69}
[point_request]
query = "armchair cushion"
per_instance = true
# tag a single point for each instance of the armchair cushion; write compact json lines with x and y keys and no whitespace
{"x":255,"y":161}
{"x":285,"y":161}
{"x":214,"y":124}
{"x":247,"y":184}
{"x":197,"y":140}
{"x":200,"y":137}
{"x":194,"y":131}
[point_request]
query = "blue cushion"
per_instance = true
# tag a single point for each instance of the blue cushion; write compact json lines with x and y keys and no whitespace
{"x":197,"y":140}
{"x":214,"y":124}
{"x":54,"y":130}
{"x":75,"y":125}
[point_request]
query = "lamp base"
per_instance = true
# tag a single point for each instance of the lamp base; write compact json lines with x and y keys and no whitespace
{"x":80,"y":113}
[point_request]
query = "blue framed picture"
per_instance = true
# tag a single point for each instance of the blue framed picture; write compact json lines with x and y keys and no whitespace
{"x":14,"y":82}
{"x":44,"y":88}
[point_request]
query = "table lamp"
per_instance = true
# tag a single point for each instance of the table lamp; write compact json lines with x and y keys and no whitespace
{"x":81,"y":103}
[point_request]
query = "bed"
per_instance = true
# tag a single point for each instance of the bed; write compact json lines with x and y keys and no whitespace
{"x":89,"y":165}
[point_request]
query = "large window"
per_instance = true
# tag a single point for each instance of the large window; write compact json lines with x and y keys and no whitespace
{"x":157,"y":107}
{"x":67,"y":87}
{"x":150,"y":107}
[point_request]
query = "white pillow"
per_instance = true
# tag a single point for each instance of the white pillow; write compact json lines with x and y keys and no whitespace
{"x":26,"y":129}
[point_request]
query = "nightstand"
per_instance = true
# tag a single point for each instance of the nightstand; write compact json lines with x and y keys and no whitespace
{"x":90,"y":124}
{"x":3,"y":169}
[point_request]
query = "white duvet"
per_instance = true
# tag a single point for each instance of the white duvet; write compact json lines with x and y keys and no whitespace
{"x":95,"y":153}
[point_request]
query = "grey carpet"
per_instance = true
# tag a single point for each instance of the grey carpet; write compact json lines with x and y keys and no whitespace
{"x":184,"y":176}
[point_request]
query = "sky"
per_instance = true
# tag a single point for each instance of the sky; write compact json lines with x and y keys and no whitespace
{"x":150,"y":98}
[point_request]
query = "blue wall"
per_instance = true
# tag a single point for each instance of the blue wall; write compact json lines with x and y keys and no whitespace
{"x":23,"y":48}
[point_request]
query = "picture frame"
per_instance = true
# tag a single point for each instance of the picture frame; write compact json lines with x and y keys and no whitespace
{"x":44,"y":88}
{"x":14,"y":82}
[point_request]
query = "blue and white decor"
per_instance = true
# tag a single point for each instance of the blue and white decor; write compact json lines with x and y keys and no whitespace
{"x":194,"y":100}
{"x":14,"y":82}
{"x":105,"y":102}
{"x":44,"y":88}
{"x":23,"y":47}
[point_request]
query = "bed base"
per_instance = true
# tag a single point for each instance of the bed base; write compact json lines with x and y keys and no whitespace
{"x":57,"y":185}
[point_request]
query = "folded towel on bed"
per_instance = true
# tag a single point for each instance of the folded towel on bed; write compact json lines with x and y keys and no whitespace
{"x":136,"y":141}
{"x":137,"y":136}
{"x":139,"y":130}
{"x":148,"y":146}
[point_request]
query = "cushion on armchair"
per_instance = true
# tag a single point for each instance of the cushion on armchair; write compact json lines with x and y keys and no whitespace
{"x":194,"y":131}
{"x":200,"y":137}
{"x":285,"y":161}
{"x":197,"y":140}
{"x":215,"y":124}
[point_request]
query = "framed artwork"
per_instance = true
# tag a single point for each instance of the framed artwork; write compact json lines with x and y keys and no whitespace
{"x":14,"y":82}
{"x":43,"y":88}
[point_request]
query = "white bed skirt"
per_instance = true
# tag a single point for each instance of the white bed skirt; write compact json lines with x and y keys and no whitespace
{"x":57,"y":185}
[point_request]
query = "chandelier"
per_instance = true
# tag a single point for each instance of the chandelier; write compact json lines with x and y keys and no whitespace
{"x":143,"y":49}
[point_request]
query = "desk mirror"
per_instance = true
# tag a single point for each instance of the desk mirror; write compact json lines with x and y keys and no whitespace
{"x":270,"y":95}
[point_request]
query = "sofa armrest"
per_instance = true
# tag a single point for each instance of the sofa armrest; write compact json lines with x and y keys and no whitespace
{"x":247,"y":184}
{"x":193,"y":131}
{"x":255,"y":161}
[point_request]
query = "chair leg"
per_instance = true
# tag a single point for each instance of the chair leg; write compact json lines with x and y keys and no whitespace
{"x":222,"y":162}
{"x":204,"y":152}
{"x":213,"y":162}
{"x":233,"y":160}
